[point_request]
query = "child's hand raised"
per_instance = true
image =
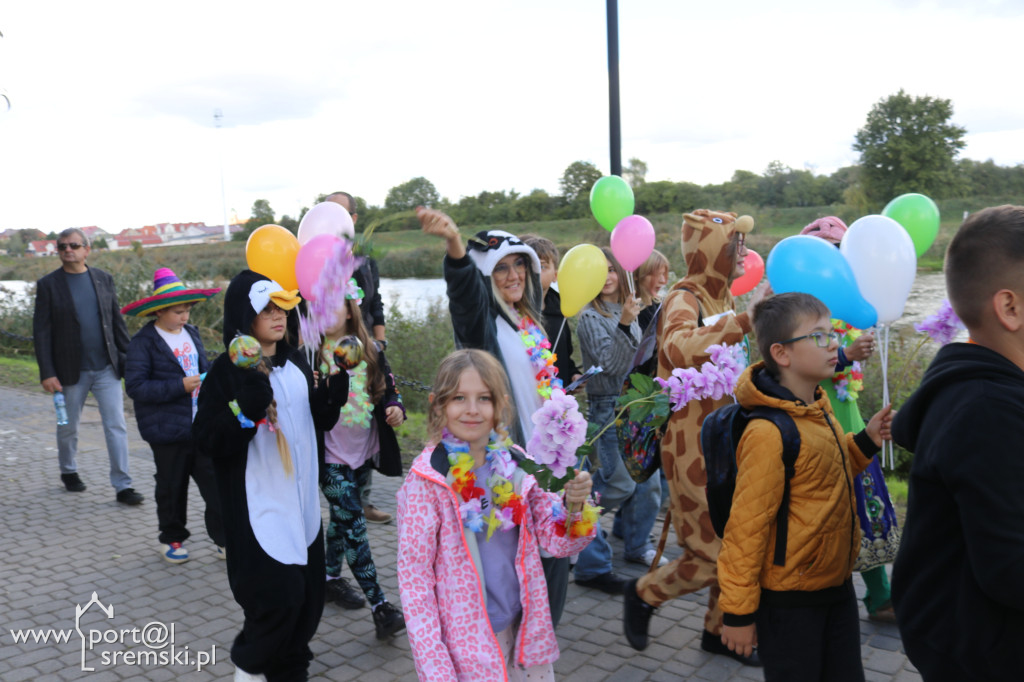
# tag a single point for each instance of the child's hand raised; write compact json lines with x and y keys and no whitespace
{"x":577,"y":490}
{"x":880,"y":426}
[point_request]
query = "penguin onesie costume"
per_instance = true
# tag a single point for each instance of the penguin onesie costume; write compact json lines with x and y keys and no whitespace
{"x":275,"y":547}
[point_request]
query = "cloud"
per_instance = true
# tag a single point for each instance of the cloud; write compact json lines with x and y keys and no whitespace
{"x":245,"y":98}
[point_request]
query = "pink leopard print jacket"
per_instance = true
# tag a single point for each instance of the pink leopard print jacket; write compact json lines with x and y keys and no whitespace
{"x":441,"y":592}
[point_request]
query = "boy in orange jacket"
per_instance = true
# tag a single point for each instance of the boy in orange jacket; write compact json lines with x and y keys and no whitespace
{"x":802,"y":615}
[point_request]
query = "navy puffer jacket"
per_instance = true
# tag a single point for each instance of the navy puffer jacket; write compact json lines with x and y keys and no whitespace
{"x":153,"y":379}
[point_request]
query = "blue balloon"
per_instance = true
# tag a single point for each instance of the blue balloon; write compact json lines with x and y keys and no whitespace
{"x":813,"y":266}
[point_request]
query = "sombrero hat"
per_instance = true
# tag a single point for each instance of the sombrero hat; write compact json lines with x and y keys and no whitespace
{"x":167,"y":291}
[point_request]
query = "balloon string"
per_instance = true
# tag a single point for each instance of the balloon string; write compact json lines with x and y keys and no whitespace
{"x":558,"y":336}
{"x":629,"y":279}
{"x":884,"y":357}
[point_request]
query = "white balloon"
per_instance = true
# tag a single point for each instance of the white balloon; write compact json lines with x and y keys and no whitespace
{"x":884,"y":262}
{"x":326,"y":217}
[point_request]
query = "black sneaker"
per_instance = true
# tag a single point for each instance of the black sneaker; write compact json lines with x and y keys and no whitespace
{"x":713,"y":645}
{"x":72,"y":483}
{"x":609,"y":583}
{"x":341,"y":592}
{"x":388,"y":620}
{"x":636,"y":617}
{"x":129,"y":496}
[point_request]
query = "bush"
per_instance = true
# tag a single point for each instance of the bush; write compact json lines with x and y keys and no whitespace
{"x":416,"y":346}
{"x":910,"y":354}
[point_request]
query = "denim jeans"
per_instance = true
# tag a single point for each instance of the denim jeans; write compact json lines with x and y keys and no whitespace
{"x":105,"y":386}
{"x":611,"y":480}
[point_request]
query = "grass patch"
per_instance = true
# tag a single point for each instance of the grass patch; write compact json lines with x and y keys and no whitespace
{"x":19,"y":371}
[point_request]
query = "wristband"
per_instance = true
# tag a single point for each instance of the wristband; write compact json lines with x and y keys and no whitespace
{"x":245,"y":421}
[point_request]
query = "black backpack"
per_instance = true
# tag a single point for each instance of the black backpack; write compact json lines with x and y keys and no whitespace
{"x":719,"y":435}
{"x":640,"y":441}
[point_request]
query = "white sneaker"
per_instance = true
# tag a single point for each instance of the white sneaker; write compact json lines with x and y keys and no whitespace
{"x":220,"y":552}
{"x":174,"y":553}
{"x":242,"y":676}
{"x":648,"y":558}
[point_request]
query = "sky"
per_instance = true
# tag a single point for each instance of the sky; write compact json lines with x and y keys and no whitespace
{"x":111,"y":120}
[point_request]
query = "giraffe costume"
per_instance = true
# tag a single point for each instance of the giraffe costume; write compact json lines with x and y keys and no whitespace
{"x":702,"y":294}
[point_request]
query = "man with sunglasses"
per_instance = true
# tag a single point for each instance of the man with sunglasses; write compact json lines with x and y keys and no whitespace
{"x":81,"y":343}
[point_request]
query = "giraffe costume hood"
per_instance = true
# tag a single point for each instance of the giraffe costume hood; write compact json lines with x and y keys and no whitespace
{"x":684,"y":335}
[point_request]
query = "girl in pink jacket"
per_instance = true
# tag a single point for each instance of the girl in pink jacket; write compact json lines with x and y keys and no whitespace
{"x":469,"y":525}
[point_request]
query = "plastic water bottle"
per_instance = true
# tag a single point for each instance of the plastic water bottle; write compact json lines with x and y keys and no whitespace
{"x":61,"y":407}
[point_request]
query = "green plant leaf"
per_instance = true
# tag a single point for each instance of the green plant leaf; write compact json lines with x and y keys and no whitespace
{"x":642,"y":383}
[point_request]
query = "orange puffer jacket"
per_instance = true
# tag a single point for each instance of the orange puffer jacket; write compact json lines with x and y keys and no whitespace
{"x":824,"y":534}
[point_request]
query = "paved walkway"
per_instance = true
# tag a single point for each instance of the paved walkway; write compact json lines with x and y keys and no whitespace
{"x":164,"y":621}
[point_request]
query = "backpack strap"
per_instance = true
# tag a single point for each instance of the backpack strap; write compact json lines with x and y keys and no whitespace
{"x":790,"y":449}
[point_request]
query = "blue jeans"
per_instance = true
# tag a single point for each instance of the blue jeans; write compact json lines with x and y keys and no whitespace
{"x":611,"y":480}
{"x":105,"y":386}
{"x":638,"y":515}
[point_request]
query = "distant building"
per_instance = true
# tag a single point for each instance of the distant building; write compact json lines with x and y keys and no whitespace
{"x":42,"y":247}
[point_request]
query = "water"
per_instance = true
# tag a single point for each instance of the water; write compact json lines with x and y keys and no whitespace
{"x":413,"y":296}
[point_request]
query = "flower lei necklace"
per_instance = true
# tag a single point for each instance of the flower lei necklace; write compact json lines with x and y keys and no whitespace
{"x":358,"y":409}
{"x":538,"y":349}
{"x":505,"y":506}
{"x":850,"y":382}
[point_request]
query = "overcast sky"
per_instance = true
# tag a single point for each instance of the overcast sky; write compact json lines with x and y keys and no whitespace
{"x":111,"y":122}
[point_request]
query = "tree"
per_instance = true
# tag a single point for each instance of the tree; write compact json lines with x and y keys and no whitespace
{"x":407,"y":196}
{"x":261,"y":215}
{"x":100,"y":243}
{"x":577,"y":180}
{"x":908,"y":144}
{"x":635,"y":173}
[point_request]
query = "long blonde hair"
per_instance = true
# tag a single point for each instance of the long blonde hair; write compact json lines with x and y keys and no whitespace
{"x":623,"y":289}
{"x":446,"y":386}
{"x":655,"y":262}
{"x":282,"y":442}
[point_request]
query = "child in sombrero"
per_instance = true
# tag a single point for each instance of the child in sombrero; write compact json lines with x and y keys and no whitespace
{"x":166,"y":363}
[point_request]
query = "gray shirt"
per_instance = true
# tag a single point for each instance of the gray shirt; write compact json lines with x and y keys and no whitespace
{"x":603,"y":342}
{"x":87,"y":310}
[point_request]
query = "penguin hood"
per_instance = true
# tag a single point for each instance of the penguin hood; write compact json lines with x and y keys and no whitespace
{"x":247,"y":295}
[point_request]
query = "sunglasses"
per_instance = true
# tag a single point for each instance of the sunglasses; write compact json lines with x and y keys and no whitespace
{"x":70,"y":245}
{"x":502,"y":270}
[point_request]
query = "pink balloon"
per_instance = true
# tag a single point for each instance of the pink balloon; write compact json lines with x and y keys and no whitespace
{"x":326,"y":217}
{"x":310,"y":261}
{"x":753,"y":273}
{"x":633,"y":241}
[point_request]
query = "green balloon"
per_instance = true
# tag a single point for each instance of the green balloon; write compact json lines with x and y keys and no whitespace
{"x":918,"y":215}
{"x":611,"y":200}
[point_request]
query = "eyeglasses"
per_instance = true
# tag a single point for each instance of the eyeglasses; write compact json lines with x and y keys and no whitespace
{"x":271,"y":310}
{"x":740,"y":239}
{"x":70,"y":245}
{"x":821,"y":339}
{"x":502,"y":270}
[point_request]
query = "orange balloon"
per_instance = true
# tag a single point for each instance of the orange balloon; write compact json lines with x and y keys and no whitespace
{"x":271,"y":251}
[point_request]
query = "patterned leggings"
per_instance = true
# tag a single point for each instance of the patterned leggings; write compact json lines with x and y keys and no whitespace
{"x":346,"y":534}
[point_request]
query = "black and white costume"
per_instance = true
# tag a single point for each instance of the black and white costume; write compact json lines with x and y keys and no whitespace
{"x":275,"y":547}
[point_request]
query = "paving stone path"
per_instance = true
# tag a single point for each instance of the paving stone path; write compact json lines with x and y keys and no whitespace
{"x":171,"y":622}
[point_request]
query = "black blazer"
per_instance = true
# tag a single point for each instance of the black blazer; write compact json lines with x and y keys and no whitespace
{"x":57,"y":335}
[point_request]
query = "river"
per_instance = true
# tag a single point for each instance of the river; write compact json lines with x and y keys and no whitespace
{"x":413,"y":296}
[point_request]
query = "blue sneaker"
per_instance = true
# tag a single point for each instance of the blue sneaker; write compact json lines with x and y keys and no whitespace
{"x":174,"y":552}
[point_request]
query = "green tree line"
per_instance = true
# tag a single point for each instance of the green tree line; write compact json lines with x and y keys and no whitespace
{"x":907,"y":144}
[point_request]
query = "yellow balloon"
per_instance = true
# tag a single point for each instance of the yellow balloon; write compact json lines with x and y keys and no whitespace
{"x":581,"y":276}
{"x":271,"y":251}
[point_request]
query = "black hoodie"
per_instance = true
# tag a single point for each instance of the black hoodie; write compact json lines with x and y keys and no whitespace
{"x":958,"y":580}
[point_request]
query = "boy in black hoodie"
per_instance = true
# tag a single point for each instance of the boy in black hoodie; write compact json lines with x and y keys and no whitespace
{"x":958,"y":581}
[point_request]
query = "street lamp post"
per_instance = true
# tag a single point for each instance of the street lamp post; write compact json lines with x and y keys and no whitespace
{"x":217,"y":116}
{"x":614,"y":125}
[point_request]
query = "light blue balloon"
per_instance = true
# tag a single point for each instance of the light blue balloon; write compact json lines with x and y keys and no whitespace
{"x":813,"y":266}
